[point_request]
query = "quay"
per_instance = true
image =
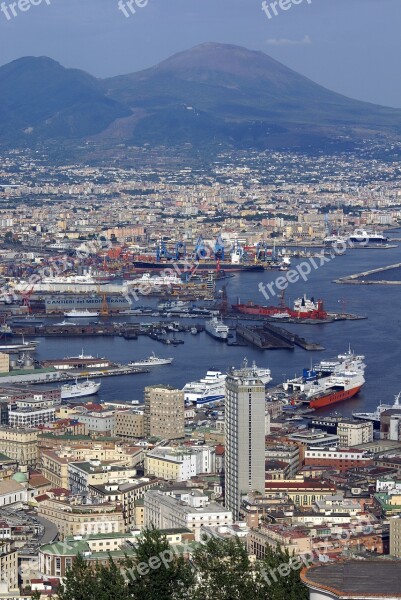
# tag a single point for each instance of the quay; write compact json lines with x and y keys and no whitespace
{"x":270,"y":337}
{"x":49,"y":375}
{"x":357,"y":278}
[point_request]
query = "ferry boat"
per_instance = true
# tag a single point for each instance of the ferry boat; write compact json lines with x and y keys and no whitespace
{"x":347,"y":362}
{"x":212,"y":387}
{"x":361,"y":236}
{"x":152,"y":361}
{"x":336,"y":388}
{"x":79,"y":390}
{"x":81,"y":314}
{"x":217,"y":329}
{"x":375,"y":416}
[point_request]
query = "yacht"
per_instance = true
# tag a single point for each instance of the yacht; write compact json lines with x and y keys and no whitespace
{"x":152,"y":361}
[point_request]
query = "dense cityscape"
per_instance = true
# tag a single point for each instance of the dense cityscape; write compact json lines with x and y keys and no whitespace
{"x":200,"y":268}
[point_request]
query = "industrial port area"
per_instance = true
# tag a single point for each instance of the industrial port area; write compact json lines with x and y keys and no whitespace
{"x":148,"y":321}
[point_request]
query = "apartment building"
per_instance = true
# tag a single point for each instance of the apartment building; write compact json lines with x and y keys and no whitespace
{"x":8,"y":569}
{"x":191,"y":509}
{"x":164,"y":413}
{"x":81,"y":475}
{"x":129,"y":424}
{"x":244,"y":437}
{"x":395,"y":536}
{"x":20,"y":445}
{"x":73,"y":518}
{"x":353,"y":433}
{"x":338,"y":459}
{"x":181,"y":463}
{"x":31,"y":417}
{"x":285,"y":453}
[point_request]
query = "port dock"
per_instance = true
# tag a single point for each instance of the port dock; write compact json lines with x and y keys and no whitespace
{"x":358,"y":278}
{"x":269,"y":337}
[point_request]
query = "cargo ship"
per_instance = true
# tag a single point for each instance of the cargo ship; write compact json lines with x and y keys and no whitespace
{"x":304,"y":308}
{"x":205,"y":257}
{"x":149,"y":263}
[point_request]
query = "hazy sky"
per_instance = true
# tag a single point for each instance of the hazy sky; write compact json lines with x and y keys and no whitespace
{"x":351,"y":46}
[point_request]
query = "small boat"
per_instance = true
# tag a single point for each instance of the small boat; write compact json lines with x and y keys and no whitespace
{"x":194,"y":331}
{"x":152,"y":361}
{"x":66,"y":323}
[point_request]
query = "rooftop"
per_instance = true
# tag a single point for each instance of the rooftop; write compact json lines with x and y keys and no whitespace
{"x":356,"y":579}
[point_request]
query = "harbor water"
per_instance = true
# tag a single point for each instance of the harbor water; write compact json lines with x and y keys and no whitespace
{"x":378,"y":337}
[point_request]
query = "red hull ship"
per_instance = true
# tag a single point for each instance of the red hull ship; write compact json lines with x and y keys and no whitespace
{"x":334,"y":397}
{"x":303,"y":309}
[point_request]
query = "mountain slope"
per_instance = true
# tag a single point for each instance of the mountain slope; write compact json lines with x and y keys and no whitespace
{"x":241,"y":96}
{"x":40,"y":99}
{"x":210,"y":95}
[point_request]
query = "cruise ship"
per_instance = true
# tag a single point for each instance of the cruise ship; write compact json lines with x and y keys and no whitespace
{"x":217,"y":329}
{"x":212,"y":387}
{"x":79,"y":390}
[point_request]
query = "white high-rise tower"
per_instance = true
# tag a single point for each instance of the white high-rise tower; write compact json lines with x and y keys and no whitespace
{"x":244,"y":436}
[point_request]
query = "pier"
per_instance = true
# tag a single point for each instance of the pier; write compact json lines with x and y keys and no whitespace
{"x":269,"y":337}
{"x":357,"y":278}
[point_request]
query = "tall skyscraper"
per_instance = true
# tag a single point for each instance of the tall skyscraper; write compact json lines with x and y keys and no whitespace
{"x":244,"y":437}
{"x":164,"y":412}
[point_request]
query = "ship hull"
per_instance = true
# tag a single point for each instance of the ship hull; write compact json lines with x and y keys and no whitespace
{"x":334,"y":397}
{"x":272,"y":311}
{"x":188,"y":267}
{"x":217,"y":336}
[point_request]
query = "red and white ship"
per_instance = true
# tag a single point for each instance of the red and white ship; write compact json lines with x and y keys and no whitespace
{"x":338,"y":387}
{"x":303,"y":309}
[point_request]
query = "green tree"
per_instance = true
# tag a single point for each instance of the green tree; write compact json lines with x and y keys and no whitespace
{"x":79,"y":582}
{"x":156,"y":572}
{"x":224,"y":571}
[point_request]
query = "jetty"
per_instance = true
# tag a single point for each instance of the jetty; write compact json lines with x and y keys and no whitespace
{"x":358,"y":278}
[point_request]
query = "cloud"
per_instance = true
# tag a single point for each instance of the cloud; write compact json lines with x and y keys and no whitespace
{"x":286,"y":42}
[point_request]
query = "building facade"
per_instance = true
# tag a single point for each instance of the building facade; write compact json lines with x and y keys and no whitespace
{"x":245,"y":437}
{"x":164,"y":413}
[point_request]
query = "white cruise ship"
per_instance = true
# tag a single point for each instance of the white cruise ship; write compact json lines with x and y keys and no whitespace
{"x":212,"y":387}
{"x":217,"y":329}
